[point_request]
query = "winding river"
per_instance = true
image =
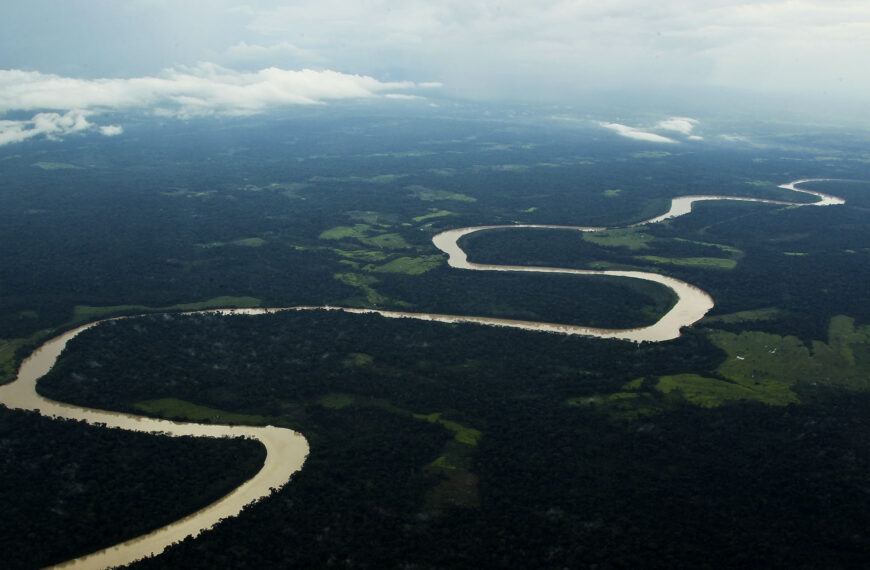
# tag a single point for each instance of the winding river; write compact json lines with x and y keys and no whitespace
{"x":287,"y":450}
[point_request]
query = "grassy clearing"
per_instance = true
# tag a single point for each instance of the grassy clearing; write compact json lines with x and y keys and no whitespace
{"x":358,"y":231}
{"x":843,"y":361}
{"x":433,"y":214}
{"x":363,"y":233}
{"x":710,"y":392}
{"x":387,"y":241}
{"x":794,"y":253}
{"x":461,"y":433}
{"x":175,"y":409}
{"x":612,"y":192}
{"x":723,"y":247}
{"x":702,"y":262}
{"x":364,"y":283}
{"x":760,"y":367}
{"x":337,"y":400}
{"x":364,"y":255}
{"x":411,"y":265}
{"x":631,"y":238}
{"x":431,"y":195}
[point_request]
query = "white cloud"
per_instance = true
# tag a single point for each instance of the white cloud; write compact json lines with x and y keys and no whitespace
{"x":111,"y":130}
{"x":200,"y":90}
{"x":206,"y":89}
{"x":51,"y":125}
{"x":637,"y":134}
{"x":672,"y":126}
{"x":682,"y":125}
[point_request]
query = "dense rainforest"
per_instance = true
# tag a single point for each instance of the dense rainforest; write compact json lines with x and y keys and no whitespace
{"x":742,"y":442}
{"x":445,"y":445}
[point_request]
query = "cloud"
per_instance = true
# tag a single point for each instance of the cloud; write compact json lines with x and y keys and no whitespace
{"x":672,"y":126}
{"x":201,"y":90}
{"x":637,"y":134}
{"x":111,"y":130}
{"x":682,"y":125}
{"x":205,"y":89}
{"x":51,"y":125}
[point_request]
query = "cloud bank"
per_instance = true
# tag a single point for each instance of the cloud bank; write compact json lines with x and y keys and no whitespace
{"x":206,"y":89}
{"x":678,"y":125}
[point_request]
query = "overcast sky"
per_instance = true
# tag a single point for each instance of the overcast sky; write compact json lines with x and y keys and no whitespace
{"x":74,"y":57}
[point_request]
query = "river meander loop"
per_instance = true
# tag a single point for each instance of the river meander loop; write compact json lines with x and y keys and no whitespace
{"x":287,"y":450}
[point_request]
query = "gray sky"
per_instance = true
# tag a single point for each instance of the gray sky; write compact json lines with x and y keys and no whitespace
{"x":76,"y":58}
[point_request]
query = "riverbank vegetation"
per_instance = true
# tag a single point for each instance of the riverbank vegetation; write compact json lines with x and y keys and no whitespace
{"x":455,"y":441}
{"x":68,"y":489}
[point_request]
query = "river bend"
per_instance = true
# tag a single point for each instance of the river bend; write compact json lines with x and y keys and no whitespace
{"x":287,"y":450}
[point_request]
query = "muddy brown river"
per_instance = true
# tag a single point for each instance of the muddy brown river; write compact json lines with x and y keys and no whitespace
{"x":287,"y":450}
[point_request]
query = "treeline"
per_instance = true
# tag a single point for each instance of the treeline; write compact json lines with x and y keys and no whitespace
{"x":68,"y":489}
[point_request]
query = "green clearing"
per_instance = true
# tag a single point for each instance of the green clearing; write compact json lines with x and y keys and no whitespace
{"x":725,"y":248}
{"x":794,"y":253}
{"x":433,"y":214}
{"x":612,"y":192}
{"x":411,"y":265}
{"x":364,"y":255}
{"x":337,"y":400}
{"x":629,"y":405}
{"x":431,"y":195}
{"x":631,"y":238}
{"x":56,"y":166}
{"x":358,"y":231}
{"x":364,"y":283}
{"x":702,"y":262}
{"x":756,"y":356}
{"x":387,"y":241}
{"x":358,"y":359}
{"x":710,"y":392}
{"x":362,"y":233}
{"x":175,"y":409}
{"x":461,"y":433}
{"x":759,"y":367}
